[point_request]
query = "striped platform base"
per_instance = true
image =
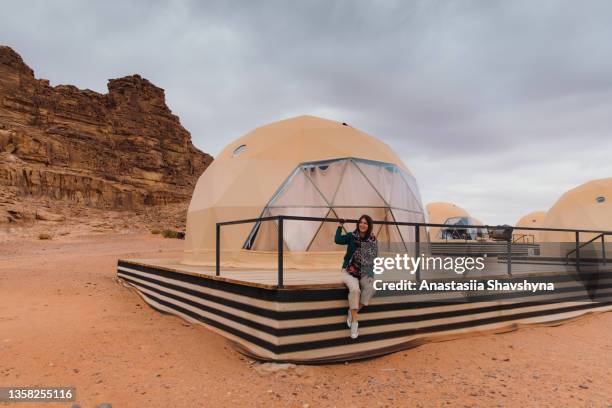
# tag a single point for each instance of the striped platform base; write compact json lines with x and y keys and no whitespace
{"x":308,"y":325}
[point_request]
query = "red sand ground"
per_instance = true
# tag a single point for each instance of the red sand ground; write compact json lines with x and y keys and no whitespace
{"x":65,"y":321}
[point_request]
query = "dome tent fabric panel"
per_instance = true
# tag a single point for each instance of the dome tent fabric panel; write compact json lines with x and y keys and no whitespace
{"x":323,"y":241}
{"x":325,"y":176}
{"x":407,"y":233}
{"x":355,"y":189}
{"x":402,"y":195}
{"x":390,"y":238}
{"x":378,"y":175}
{"x":299,"y":190}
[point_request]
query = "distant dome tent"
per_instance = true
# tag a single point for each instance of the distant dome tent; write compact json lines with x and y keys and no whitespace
{"x":303,"y":166}
{"x":588,"y":206}
{"x":442,"y":213}
{"x":534,"y":219}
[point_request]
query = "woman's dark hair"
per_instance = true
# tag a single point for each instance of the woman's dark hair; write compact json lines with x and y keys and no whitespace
{"x":370,"y":224}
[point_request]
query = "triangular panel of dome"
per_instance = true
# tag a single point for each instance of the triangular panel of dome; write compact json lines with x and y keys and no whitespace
{"x":402,"y":196}
{"x":298,"y":234}
{"x":380,"y":176}
{"x":355,"y":190}
{"x":324,"y":238}
{"x":326,"y":176}
{"x":299,"y":191}
{"x":264,"y":236}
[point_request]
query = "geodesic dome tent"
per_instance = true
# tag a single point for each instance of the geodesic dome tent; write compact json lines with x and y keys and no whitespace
{"x":438,"y":213}
{"x":534,"y":219}
{"x":303,"y":166}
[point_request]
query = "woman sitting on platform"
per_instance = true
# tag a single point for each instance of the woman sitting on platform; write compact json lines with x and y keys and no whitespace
{"x":357,"y":268}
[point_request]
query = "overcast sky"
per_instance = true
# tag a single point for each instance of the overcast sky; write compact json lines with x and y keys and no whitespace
{"x":497,"y":106}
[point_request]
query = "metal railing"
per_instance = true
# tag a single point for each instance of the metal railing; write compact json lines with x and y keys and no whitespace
{"x":577,"y":249}
{"x":416,"y":225}
{"x":524,"y":238}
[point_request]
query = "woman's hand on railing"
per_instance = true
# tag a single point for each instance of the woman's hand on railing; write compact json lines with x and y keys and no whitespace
{"x":341,"y":221}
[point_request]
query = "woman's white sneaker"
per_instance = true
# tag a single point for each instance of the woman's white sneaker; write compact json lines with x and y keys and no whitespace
{"x":354,"y":330}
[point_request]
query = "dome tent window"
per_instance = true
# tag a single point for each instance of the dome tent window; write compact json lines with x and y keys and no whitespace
{"x":237,"y":151}
{"x":340,"y":188}
{"x":600,"y":199}
{"x":457,"y":231}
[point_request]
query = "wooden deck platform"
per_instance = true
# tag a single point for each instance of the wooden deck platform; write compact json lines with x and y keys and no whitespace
{"x":263,"y":278}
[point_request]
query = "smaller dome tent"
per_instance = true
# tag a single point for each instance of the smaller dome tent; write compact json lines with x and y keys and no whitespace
{"x":534,"y":219}
{"x":443,"y":213}
{"x":588,"y":206}
{"x":303,"y":166}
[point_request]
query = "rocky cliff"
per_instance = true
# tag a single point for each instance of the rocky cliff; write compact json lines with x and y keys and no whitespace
{"x":121,"y":150}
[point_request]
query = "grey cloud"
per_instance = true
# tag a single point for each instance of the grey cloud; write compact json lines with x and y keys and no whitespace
{"x":485,"y":100}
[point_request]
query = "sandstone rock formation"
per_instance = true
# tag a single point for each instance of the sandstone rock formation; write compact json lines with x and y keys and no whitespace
{"x":123,"y":150}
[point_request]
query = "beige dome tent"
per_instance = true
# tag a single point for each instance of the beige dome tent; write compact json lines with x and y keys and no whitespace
{"x":439,"y":213}
{"x":588,"y":206}
{"x":534,"y":219}
{"x":303,"y":166}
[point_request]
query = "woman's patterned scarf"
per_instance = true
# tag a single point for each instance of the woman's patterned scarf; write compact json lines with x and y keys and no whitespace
{"x":362,"y":261}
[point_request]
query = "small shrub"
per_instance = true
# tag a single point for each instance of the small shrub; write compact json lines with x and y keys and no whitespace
{"x":44,"y":235}
{"x":155,"y":232}
{"x":169,"y":234}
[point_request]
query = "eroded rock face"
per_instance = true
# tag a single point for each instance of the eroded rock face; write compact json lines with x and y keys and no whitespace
{"x":120,"y":150}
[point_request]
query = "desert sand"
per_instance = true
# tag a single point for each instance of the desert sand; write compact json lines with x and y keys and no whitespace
{"x":66,"y":321}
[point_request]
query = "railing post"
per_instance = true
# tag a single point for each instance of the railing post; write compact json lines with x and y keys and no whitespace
{"x":280,"y":251}
{"x":218,"y":251}
{"x":417,"y":250}
{"x":509,"y":256}
{"x":578,"y":251}
{"x":603,"y":248}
